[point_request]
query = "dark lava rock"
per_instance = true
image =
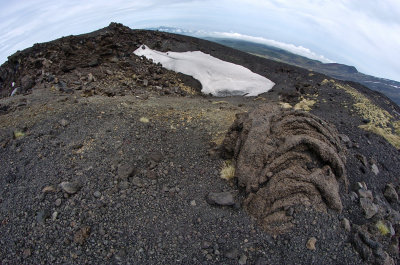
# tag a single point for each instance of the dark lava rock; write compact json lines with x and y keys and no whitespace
{"x":27,"y":82}
{"x":390,"y":193}
{"x":156,"y":157}
{"x":81,"y":235}
{"x":370,"y":209}
{"x":269,"y":137}
{"x":232,"y":253}
{"x":126,"y":171}
{"x":71,"y":187}
{"x":220,"y":198}
{"x":42,"y":215}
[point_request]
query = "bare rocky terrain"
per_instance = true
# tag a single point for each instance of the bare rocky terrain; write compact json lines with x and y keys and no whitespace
{"x":107,"y":158}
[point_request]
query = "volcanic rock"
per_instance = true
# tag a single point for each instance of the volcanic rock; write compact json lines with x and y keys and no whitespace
{"x":390,"y":193}
{"x":271,"y":147}
{"x":71,"y":187}
{"x":221,"y":198}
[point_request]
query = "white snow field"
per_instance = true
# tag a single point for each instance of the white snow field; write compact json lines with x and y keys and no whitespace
{"x":217,"y":77}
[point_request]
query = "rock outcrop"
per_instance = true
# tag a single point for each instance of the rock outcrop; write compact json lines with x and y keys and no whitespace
{"x":285,"y":158}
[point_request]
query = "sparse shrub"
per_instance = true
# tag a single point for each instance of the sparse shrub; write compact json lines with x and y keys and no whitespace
{"x":305,"y":104}
{"x":380,"y":120}
{"x":228,"y":170}
{"x":144,"y":120}
{"x":285,"y":105}
{"x":18,"y":134}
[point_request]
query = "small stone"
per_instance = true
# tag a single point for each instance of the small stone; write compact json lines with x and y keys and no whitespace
{"x":346,"y":224}
{"x":151,"y":174}
{"x":345,"y":139}
{"x":81,"y":235}
{"x":70,"y":187}
{"x":363,"y":185}
{"x":109,"y":72}
{"x":120,"y":255}
{"x":353,"y":196}
{"x":370,"y":209}
{"x":362,"y":159}
{"x":243,"y":259}
{"x":27,"y":253}
{"x":137,"y":182}
{"x":27,"y":82}
{"x":209,"y":257}
{"x":221,"y":198}
{"x":390,"y":193}
{"x":126,"y":171}
{"x":387,"y":259}
{"x":97,"y":194}
{"x":375,"y":169}
{"x":124,"y":185}
{"x":90,"y":78}
{"x":54,"y":216}
{"x":145,"y":82}
{"x":261,"y":261}
{"x":42,"y":216}
{"x":63,"y":122}
{"x":367,"y":194}
{"x":232,"y":253}
{"x":290,"y":211}
{"x":205,"y":245}
{"x":58,"y":202}
{"x":48,"y":189}
{"x":156,"y":157}
{"x":114,"y":60}
{"x":366,"y":120}
{"x":193,"y":203}
{"x":311,"y":243}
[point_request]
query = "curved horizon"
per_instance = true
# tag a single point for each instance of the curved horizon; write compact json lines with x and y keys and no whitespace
{"x":363,"y":34}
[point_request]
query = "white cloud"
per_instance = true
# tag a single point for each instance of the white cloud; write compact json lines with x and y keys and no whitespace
{"x":363,"y":33}
{"x":300,"y":50}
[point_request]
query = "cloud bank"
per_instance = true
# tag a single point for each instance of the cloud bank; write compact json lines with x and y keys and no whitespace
{"x":300,"y":50}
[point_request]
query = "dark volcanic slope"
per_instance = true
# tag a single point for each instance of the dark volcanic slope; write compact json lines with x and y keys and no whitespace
{"x":388,"y":87}
{"x":108,"y":158}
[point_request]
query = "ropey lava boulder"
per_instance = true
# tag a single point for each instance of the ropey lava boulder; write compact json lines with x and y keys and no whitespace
{"x":285,"y":158}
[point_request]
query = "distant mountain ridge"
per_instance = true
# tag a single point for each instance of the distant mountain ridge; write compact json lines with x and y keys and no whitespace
{"x":388,"y":87}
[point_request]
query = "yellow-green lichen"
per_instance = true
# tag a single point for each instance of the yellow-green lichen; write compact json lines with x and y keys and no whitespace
{"x":228,"y":170}
{"x":285,"y":105}
{"x":383,"y":229}
{"x":144,"y":120}
{"x":379,"y":120}
{"x":305,"y":104}
{"x":18,"y":134}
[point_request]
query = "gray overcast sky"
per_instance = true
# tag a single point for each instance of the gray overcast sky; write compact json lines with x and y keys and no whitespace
{"x":363,"y":33}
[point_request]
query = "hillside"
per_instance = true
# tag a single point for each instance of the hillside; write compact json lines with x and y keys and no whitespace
{"x":388,"y":87}
{"x":109,"y":158}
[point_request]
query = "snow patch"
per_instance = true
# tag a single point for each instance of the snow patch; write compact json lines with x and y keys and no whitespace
{"x":216,"y":76}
